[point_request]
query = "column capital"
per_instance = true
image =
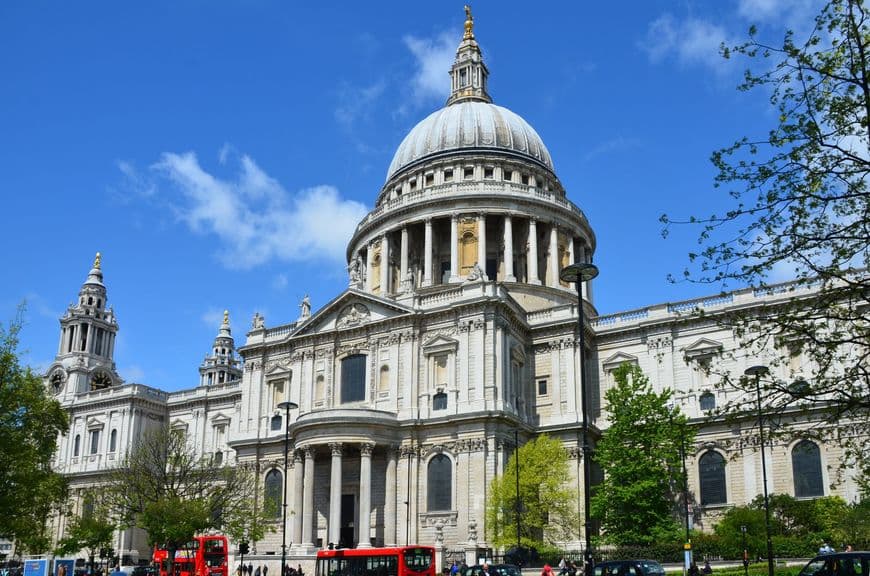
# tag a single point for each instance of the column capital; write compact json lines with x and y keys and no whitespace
{"x":427,"y":220}
{"x":481,"y":215}
{"x":298,"y":456}
{"x":454,"y":216}
{"x":366,"y":448}
{"x":309,"y":452}
{"x":335,"y":448}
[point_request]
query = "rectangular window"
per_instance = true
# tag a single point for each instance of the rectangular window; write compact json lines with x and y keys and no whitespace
{"x":98,"y":345}
{"x":526,"y":179}
{"x":439,"y":401}
{"x":542,"y":387}
{"x":440,"y":370}
{"x":488,"y":172}
{"x":468,"y":173}
{"x":84,"y":339}
{"x":277,"y":393}
{"x":508,"y":175}
{"x":448,"y":175}
{"x":95,"y":441}
{"x":353,"y":378}
{"x":430,"y":179}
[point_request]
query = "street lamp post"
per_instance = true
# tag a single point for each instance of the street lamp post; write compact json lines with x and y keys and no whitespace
{"x":687,"y":546}
{"x":578,"y":273}
{"x":286,"y":406}
{"x":745,"y":553}
{"x":517,"y":478}
{"x":758,"y":372}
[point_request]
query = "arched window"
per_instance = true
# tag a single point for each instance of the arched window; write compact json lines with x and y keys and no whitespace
{"x":77,"y":445}
{"x":806,"y":464}
{"x":439,"y":401}
{"x":711,"y":470}
{"x":353,"y":378}
{"x":272,"y":497}
{"x":113,"y":441}
{"x":707,"y":401}
{"x":439,"y":482}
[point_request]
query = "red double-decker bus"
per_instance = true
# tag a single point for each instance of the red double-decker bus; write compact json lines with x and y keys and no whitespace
{"x":398,"y":561}
{"x":202,"y":556}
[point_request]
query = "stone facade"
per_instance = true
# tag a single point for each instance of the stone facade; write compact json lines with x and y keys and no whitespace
{"x":455,"y":331}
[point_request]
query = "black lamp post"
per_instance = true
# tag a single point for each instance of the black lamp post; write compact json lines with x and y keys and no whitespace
{"x":286,"y":406}
{"x":687,"y":546}
{"x":758,"y":372}
{"x":578,"y":273}
{"x":517,"y":477}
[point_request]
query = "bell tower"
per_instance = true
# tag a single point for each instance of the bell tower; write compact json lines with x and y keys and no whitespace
{"x":222,"y":365}
{"x":84,"y":360}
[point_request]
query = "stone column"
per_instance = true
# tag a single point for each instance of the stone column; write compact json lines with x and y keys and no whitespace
{"x":508,"y":250}
{"x":89,"y":338}
{"x":390,"y":498}
{"x":333,"y":532}
{"x":403,"y":267}
{"x":571,"y":252}
{"x":427,"y":254}
{"x":298,"y":483}
{"x":370,"y":267}
{"x":308,"y":498}
{"x":532,"y":256}
{"x":481,"y":242}
{"x":454,"y":247}
{"x":365,"y":495}
{"x":554,"y":257}
{"x":385,"y":264}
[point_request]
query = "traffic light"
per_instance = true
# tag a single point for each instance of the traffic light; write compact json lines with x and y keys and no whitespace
{"x":243,"y":547}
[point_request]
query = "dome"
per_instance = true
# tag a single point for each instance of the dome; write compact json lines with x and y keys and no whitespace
{"x":470,"y":125}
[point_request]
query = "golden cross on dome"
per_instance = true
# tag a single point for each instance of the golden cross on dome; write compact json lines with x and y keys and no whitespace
{"x":97,"y":261}
{"x":226,"y":316}
{"x":469,"y":24}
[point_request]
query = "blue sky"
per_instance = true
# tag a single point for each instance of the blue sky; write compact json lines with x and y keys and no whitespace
{"x":218,"y":154}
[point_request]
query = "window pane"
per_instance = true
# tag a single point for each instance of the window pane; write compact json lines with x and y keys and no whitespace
{"x":353,"y":378}
{"x":272,"y":494}
{"x":708,"y":401}
{"x":807,"y":469}
{"x":711,"y":469}
{"x":439,"y":401}
{"x":439,"y":483}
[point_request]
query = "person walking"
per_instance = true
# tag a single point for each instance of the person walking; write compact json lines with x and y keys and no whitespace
{"x":547,"y":571}
{"x":707,"y":569}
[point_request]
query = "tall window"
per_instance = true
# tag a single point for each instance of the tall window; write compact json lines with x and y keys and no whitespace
{"x":113,"y":441}
{"x":384,"y":379}
{"x":95,"y":441}
{"x":440,"y":370}
{"x":711,"y":469}
{"x":77,"y":445}
{"x":353,"y":378}
{"x":806,"y":463}
{"x":277,"y":392}
{"x":272,"y":497}
{"x":439,"y":482}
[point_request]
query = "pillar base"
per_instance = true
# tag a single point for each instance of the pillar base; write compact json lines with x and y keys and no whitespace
{"x":510,"y":278}
{"x":535,"y":281}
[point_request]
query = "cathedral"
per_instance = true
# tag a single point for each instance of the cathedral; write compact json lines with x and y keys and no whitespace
{"x":455,"y":336}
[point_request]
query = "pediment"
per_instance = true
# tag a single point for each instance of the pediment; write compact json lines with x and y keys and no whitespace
{"x":616,"y":360}
{"x":219,"y":419}
{"x":349,"y":310}
{"x":702,"y":347}
{"x":440,"y":343}
{"x":177,"y":424}
{"x":93,"y":423}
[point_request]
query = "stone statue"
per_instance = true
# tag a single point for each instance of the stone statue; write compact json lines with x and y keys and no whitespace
{"x":306,"y":307}
{"x":97,"y":260}
{"x":472,"y":531}
{"x":257,"y":322}
{"x":476,"y":273}
{"x":439,"y":533}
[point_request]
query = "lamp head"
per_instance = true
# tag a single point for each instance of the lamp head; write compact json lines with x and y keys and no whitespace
{"x":287,"y":405}
{"x":578,"y":272}
{"x":756,"y":371}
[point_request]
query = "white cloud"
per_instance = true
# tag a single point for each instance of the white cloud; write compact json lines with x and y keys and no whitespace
{"x":213,"y":318}
{"x":355,"y":103}
{"x":132,"y":373}
{"x":255,"y":218}
{"x":691,"y":41}
{"x":434,"y":56}
{"x":134,"y":181}
{"x":614,"y":144}
{"x":790,"y":13}
{"x":280,"y":282}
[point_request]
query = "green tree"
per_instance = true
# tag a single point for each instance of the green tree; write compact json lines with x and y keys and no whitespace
{"x":802,"y":205}
{"x":90,"y":530}
{"x":163,"y":487}
{"x":639,"y":454}
{"x":547,"y":510}
{"x":30,"y":422}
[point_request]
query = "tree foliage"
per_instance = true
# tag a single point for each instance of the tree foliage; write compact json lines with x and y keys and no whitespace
{"x":802,"y":208}
{"x":163,"y":487}
{"x":546,"y":502}
{"x":90,"y":530}
{"x":30,"y":422}
{"x":639,"y":454}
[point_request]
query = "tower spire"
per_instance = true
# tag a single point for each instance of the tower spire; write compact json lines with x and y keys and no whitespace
{"x":468,"y":74}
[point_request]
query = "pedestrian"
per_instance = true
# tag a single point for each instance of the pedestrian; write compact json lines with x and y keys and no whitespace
{"x":265,"y":570}
{"x":454,"y":569}
{"x":547,"y":571}
{"x":250,"y":569}
{"x":485,"y":571}
{"x":257,"y":571}
{"x":563,"y":566}
{"x":707,"y":568}
{"x":693,"y":569}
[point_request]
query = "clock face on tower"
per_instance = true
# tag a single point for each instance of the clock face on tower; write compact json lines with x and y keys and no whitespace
{"x":56,"y":382}
{"x":100,"y":380}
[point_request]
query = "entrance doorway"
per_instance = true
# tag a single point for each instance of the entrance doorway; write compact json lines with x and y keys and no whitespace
{"x":348,"y":514}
